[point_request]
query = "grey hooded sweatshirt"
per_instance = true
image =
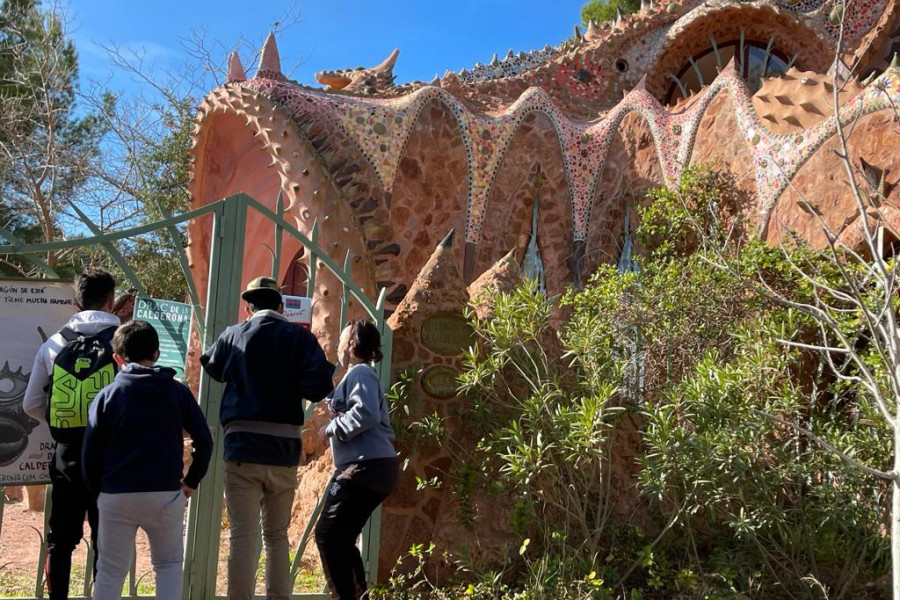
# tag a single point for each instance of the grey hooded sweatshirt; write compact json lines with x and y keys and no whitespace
{"x":360,"y":429}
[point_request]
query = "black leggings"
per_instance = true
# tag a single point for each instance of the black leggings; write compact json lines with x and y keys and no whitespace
{"x":348,"y":506}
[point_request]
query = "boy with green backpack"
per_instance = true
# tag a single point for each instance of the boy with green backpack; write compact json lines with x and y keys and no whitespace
{"x":69,"y":370}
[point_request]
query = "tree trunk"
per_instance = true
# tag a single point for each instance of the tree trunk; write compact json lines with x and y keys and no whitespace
{"x":895,"y":518}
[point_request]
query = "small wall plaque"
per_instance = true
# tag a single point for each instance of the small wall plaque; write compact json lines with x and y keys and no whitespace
{"x":447,"y":334}
{"x":440,"y":381}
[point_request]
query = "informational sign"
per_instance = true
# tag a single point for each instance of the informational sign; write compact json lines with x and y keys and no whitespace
{"x":298,"y":309}
{"x":172,"y":321}
{"x":30,"y":312}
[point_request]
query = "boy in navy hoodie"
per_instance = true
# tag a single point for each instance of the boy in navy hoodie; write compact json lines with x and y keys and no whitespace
{"x":132,"y":457}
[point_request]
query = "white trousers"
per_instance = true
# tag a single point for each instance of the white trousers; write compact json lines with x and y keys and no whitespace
{"x":161,"y":516}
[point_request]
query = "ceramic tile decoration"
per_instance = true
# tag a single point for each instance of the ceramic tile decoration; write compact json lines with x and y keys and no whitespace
{"x":381,"y":128}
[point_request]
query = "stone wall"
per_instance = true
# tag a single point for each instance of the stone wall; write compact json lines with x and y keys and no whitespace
{"x":429,"y":195}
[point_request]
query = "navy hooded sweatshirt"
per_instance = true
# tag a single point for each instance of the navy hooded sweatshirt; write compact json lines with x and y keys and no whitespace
{"x":134,"y":440}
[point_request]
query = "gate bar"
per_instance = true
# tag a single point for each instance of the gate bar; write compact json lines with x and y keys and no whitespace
{"x":109,"y":236}
{"x":315,"y":252}
{"x":10,"y":237}
{"x":225,"y":270}
{"x":116,"y":256}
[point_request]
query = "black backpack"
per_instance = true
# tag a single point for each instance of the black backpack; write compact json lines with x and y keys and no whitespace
{"x":82,"y":368}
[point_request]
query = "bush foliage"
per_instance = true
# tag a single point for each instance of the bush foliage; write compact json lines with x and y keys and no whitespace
{"x":729,"y":499}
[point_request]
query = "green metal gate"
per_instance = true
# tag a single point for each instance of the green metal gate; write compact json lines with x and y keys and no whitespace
{"x":221,"y":309}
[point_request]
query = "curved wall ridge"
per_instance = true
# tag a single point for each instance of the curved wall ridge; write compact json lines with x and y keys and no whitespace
{"x":381,"y":128}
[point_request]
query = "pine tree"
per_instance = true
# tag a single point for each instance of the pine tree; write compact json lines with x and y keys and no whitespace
{"x":46,"y":149}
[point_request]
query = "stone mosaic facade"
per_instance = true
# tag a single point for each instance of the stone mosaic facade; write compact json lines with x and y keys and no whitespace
{"x":580,"y":130}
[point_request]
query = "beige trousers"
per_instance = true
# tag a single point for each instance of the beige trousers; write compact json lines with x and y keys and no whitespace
{"x":251,"y":489}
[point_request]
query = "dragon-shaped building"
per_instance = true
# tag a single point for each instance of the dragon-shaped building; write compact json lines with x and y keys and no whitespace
{"x":547,"y":148}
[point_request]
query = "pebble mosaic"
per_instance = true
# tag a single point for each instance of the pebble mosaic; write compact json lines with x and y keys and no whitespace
{"x":511,"y":65}
{"x":381,"y":128}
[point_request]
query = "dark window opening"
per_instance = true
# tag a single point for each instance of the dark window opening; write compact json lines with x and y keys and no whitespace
{"x":755,"y":64}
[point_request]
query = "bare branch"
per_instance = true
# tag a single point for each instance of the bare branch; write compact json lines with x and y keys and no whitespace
{"x":886,"y":475}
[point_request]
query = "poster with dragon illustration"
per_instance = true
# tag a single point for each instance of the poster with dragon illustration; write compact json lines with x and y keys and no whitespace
{"x":30,"y":311}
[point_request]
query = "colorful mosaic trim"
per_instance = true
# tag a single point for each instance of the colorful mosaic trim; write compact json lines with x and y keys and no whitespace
{"x":861,"y":16}
{"x":779,"y":157}
{"x":513,"y":64}
{"x":801,"y":6}
{"x":381,"y":129}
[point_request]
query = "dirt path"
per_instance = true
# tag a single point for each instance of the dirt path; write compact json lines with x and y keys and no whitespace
{"x":20,"y":541}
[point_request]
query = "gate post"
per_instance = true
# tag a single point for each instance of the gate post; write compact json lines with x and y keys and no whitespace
{"x":205,"y":513}
{"x":371,"y":533}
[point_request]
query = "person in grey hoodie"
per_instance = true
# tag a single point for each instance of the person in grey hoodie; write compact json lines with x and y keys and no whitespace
{"x":94,"y":295}
{"x":366,"y":466}
{"x":133,"y":458}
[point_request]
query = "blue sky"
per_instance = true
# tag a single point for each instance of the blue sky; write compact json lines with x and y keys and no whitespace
{"x":432,"y":36}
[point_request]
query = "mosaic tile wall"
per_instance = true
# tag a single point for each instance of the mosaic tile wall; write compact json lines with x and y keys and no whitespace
{"x":512,"y":64}
{"x":816,"y":14}
{"x":585,"y":76}
{"x":381,"y":128}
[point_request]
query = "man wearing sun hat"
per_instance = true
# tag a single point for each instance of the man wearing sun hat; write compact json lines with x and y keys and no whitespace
{"x":269,"y":366}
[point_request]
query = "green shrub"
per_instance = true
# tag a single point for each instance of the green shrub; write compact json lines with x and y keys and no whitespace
{"x":718,"y":377}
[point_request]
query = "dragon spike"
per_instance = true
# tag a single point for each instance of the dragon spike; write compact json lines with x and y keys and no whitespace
{"x":510,"y":54}
{"x":644,"y":6}
{"x":389,"y":62}
{"x":577,"y":33}
{"x":495,"y":61}
{"x":868,"y":79}
{"x":642,"y":83}
{"x":235,"y":69}
{"x":270,"y":60}
{"x":620,"y":18}
{"x":591,"y":28}
{"x":895,"y":61}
